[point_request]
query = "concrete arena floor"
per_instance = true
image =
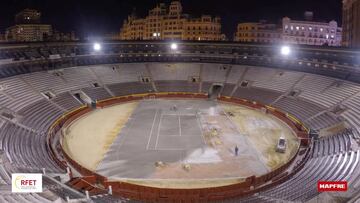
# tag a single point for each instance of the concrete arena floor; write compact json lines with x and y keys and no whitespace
{"x":154,"y":132}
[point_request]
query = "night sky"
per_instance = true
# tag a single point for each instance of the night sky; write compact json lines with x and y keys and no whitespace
{"x":96,"y":17}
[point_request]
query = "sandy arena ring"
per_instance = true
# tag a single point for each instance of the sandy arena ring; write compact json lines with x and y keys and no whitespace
{"x":178,"y":143}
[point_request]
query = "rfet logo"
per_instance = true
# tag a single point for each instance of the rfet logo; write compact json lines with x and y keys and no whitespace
{"x":332,"y":186}
{"x":26,"y":182}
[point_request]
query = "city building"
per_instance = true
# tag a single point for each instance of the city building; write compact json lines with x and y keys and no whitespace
{"x":133,"y":29}
{"x":2,"y":37}
{"x":63,"y":37}
{"x":309,"y":32}
{"x":28,"y":32}
{"x":261,"y":32}
{"x":204,"y":28}
{"x":113,"y":36}
{"x":28,"y":28}
{"x":28,"y":16}
{"x":351,"y":23}
{"x":170,"y":22}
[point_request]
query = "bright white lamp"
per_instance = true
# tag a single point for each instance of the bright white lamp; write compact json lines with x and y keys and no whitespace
{"x":174,"y":46}
{"x":285,"y":50}
{"x":97,"y":46}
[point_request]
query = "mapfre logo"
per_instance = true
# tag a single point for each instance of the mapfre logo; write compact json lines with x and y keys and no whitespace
{"x":26,"y":182}
{"x":332,"y":186}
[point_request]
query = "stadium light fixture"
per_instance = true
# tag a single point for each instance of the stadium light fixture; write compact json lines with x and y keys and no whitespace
{"x":97,"y":46}
{"x":174,"y":46}
{"x":285,"y":50}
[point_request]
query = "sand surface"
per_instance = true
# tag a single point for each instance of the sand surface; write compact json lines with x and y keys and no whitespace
{"x":88,"y":141}
{"x":195,"y":143}
{"x":263,"y":131}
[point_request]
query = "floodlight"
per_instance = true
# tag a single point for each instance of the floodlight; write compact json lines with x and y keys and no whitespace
{"x":285,"y":50}
{"x":174,"y":46}
{"x":97,"y":46}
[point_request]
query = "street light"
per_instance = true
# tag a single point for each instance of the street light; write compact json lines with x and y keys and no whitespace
{"x":285,"y":51}
{"x":97,"y":46}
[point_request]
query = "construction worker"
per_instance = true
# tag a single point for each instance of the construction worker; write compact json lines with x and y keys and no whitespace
{"x":236,"y":150}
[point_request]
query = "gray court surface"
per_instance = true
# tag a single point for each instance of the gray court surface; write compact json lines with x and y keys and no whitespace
{"x":155,"y":132}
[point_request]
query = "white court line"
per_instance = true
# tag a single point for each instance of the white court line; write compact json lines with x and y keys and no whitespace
{"x":200,"y":126}
{"x":185,"y":114}
{"x":178,"y":135}
{"x":152,"y":127}
{"x":166,"y":149}
{"x":158,"y":133}
{"x":179,"y":126}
